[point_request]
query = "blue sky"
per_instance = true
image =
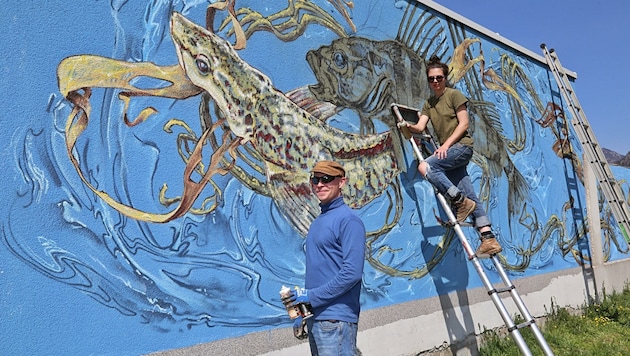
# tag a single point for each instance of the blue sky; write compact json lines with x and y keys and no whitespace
{"x":591,"y":38}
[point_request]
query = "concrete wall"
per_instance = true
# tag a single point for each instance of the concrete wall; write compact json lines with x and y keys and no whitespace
{"x":116,"y":242}
{"x":431,"y":325}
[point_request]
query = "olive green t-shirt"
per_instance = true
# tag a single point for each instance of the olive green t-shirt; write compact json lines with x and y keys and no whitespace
{"x":441,"y":112}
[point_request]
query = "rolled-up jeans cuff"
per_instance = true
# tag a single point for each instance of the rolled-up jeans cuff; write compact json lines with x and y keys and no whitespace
{"x":452,"y":192}
{"x":482,"y":221}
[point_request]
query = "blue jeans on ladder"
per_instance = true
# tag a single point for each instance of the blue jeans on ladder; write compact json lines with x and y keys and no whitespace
{"x":449,"y":176}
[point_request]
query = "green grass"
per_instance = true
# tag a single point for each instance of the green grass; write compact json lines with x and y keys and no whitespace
{"x":598,"y":329}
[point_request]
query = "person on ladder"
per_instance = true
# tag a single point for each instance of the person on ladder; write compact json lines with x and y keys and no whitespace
{"x":446,"y":167}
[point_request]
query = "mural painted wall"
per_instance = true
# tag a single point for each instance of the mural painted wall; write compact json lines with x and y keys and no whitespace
{"x":157,"y":153}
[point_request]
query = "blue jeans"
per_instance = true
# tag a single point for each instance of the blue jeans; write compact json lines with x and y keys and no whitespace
{"x":332,"y":338}
{"x":449,"y":176}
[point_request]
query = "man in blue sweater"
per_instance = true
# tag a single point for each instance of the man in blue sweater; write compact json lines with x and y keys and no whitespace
{"x":335,"y":254}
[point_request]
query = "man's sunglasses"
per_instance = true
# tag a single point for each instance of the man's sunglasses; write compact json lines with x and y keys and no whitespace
{"x":324,"y":179}
{"x":438,"y":79}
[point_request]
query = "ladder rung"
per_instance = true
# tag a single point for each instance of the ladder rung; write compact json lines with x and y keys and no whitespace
{"x":504,"y":289}
{"x":524,"y":324}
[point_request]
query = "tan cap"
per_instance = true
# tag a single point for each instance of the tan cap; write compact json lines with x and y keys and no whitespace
{"x":329,"y":167}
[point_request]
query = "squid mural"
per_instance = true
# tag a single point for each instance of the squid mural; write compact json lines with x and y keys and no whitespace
{"x":182,"y":163}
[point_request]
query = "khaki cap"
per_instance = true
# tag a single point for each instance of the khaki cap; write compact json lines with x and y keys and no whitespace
{"x":329,"y":167}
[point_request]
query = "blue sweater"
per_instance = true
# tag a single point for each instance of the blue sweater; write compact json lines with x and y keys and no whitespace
{"x":335,"y":254}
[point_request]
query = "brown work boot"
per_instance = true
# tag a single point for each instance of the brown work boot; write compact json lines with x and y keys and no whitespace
{"x":489,"y":246}
{"x":463,"y":208}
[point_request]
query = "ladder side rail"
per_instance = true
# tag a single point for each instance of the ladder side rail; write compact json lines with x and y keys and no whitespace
{"x":587,"y":139}
{"x":492,"y":291}
{"x":494,"y":295}
{"x":498,"y":303}
{"x":567,"y":92}
{"x":611,"y":190}
{"x":522,"y":308}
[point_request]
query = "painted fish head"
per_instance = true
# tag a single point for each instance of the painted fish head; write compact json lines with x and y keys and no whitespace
{"x":349,"y":70}
{"x":367,"y":76}
{"x":212,"y":64}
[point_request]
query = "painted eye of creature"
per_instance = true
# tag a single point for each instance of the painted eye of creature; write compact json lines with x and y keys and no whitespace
{"x":339,"y":59}
{"x":203,"y":65}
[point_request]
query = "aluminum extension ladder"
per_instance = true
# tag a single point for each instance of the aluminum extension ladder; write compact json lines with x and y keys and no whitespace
{"x":493,"y":292}
{"x":593,"y":154}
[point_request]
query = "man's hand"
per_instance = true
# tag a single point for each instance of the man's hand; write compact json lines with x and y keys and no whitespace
{"x":299,"y":328}
{"x":301,"y":296}
{"x":299,"y":300}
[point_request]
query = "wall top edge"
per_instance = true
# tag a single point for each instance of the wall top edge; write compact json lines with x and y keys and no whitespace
{"x":485,"y":31}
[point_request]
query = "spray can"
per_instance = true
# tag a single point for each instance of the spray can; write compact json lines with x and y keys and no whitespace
{"x":306,"y":310}
{"x":285,"y":296}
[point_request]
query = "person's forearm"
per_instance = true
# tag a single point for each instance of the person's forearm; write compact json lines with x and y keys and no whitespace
{"x":419,"y":126}
{"x":415,"y":128}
